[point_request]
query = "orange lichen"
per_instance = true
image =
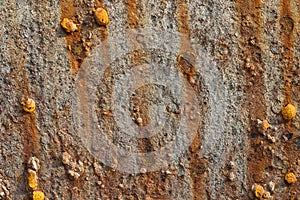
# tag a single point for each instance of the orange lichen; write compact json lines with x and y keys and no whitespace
{"x":266,"y":125}
{"x":68,"y":25}
{"x":258,"y":191}
{"x":289,"y":112}
{"x":28,"y":105}
{"x":101,"y":16}
{"x":290,"y":178}
{"x":38,"y":195}
{"x":32,"y":179}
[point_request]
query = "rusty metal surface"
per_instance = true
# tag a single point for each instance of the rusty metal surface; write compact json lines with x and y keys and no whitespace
{"x":250,"y":70}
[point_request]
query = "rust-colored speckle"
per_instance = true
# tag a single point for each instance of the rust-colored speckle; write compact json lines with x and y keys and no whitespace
{"x":186,"y":63}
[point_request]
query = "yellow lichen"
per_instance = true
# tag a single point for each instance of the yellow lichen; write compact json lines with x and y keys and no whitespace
{"x":101,"y":16}
{"x":32,"y":179}
{"x":28,"y":105}
{"x":290,"y":178}
{"x":258,"y":191}
{"x":288,"y":112}
{"x":38,"y":195}
{"x":68,"y":25}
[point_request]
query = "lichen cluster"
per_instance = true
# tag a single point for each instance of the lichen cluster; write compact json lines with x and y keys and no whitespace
{"x":38,"y":195}
{"x":68,"y":25}
{"x":101,"y":16}
{"x":32,"y":178}
{"x":289,"y":112}
{"x":290,"y":178}
{"x":28,"y":105}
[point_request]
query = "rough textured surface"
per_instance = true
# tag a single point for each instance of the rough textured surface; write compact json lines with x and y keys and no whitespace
{"x":255,"y":47}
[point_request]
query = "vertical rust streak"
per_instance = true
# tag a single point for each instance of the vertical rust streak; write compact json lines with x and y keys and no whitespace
{"x":132,"y":14}
{"x":197,"y":165}
{"x":251,"y":48}
{"x":31,"y":144}
{"x":287,"y":26}
{"x":183,"y":26}
{"x":155,"y":184}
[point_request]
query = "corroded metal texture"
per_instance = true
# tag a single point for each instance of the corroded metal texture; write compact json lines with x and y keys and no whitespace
{"x":250,"y":70}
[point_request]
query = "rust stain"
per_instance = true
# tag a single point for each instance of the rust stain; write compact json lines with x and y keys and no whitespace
{"x":183,"y":18}
{"x":78,"y":43}
{"x":186,"y":58}
{"x":251,"y":48}
{"x":286,"y":23}
{"x":183,"y":26}
{"x":286,"y":28}
{"x":154,"y":184}
{"x":197,"y":164}
{"x":132,"y":13}
{"x":134,"y":21}
{"x":28,"y":122}
{"x":68,"y":11}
